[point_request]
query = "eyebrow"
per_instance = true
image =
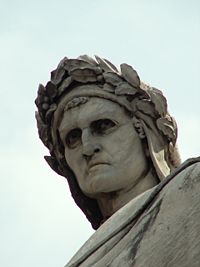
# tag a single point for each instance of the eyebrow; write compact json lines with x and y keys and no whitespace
{"x":98,"y":116}
{"x":66,"y":129}
{"x":69,"y":127}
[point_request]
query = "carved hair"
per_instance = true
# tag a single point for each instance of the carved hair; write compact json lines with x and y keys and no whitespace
{"x":147,"y":105}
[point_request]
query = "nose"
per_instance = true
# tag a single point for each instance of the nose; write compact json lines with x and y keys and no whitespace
{"x":90,"y":146}
{"x":90,"y":149}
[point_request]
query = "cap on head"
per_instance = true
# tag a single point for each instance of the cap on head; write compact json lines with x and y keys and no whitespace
{"x":145,"y":103}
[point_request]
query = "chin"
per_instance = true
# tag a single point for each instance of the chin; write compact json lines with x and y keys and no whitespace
{"x":104,"y":182}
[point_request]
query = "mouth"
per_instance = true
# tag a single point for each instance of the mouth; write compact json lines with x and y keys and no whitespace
{"x":97,"y":164}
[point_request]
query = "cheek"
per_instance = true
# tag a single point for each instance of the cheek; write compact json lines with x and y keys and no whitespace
{"x":127,"y":142}
{"x":73,"y":160}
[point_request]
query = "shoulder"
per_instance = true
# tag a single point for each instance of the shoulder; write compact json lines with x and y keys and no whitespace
{"x":182,"y":192}
{"x":182,"y":180}
{"x":188,"y":173}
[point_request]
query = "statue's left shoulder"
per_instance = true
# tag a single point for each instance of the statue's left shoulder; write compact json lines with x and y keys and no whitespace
{"x":173,"y":230}
{"x":190,"y":173}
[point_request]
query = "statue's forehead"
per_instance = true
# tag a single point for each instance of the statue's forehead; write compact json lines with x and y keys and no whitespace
{"x":94,"y":109}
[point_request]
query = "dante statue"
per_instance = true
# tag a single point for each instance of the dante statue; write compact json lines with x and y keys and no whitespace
{"x":111,"y":136}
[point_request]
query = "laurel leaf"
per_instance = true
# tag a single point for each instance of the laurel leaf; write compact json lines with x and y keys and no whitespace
{"x":130,"y":75}
{"x":124,"y":88}
{"x":84,"y":75}
{"x":72,"y":64}
{"x":64,"y":85}
{"x":51,"y":90}
{"x":105,"y":64}
{"x":112,"y":78}
{"x":108,"y":88}
{"x":159,"y":101}
{"x":111,"y":65}
{"x":168,"y":126}
{"x":88,"y":59}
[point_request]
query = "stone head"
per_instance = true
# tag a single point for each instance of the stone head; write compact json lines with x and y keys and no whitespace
{"x":104,"y":128}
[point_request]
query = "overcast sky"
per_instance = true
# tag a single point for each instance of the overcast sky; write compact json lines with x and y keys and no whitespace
{"x":40,"y":225}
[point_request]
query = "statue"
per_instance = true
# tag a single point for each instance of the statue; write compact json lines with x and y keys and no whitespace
{"x":111,"y":136}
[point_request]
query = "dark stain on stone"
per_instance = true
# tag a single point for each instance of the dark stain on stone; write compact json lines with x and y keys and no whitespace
{"x":191,"y":178}
{"x":135,"y":243}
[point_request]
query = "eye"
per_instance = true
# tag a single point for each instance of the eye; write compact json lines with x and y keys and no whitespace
{"x":102,"y":126}
{"x":73,"y":138}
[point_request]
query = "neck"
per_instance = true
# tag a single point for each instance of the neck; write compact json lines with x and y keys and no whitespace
{"x":109,"y":203}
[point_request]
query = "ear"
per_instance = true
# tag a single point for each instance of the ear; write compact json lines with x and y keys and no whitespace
{"x":139,"y":128}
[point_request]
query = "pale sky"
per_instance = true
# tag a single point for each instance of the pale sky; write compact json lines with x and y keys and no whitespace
{"x":40,"y":225}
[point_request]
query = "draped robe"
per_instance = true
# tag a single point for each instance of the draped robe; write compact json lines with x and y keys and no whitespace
{"x":159,"y":228}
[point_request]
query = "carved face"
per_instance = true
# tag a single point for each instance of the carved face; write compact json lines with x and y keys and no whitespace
{"x":102,"y":147}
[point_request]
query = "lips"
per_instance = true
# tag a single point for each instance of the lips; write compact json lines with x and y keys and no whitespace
{"x":93,"y":164}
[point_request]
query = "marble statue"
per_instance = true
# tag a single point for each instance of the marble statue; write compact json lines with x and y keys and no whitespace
{"x":111,"y":136}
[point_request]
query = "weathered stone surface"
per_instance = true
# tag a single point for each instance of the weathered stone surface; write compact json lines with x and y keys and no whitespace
{"x":112,"y":137}
{"x":158,"y":228}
